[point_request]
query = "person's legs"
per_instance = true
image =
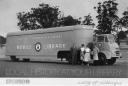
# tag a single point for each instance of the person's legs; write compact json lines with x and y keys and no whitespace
{"x":82,"y":60}
{"x":88,"y":64}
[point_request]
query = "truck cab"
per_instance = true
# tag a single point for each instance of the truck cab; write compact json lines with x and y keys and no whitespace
{"x":108,"y":49}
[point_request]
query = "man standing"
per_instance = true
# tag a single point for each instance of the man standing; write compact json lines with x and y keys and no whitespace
{"x":82,"y":53}
{"x":95,"y":54}
{"x":87,"y":57}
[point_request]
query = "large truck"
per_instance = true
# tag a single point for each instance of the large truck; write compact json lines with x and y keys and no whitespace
{"x":60,"y":42}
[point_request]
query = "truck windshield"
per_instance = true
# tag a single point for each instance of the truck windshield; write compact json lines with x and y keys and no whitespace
{"x":111,"y":38}
{"x":100,"y":39}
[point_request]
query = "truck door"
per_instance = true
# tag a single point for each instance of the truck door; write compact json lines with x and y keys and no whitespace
{"x":100,"y":40}
{"x":103,"y":45}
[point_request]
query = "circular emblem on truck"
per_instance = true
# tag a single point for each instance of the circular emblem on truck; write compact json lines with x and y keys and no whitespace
{"x":38,"y":46}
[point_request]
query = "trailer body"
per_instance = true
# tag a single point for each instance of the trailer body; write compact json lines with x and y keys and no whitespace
{"x":59,"y":42}
{"x":47,"y":42}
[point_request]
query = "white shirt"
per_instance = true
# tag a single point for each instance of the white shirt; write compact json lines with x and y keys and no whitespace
{"x":87,"y":50}
{"x":82,"y":49}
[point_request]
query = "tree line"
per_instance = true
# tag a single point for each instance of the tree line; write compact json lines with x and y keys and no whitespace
{"x":46,"y":16}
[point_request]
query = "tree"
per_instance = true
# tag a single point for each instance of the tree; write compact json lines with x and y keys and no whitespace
{"x":88,"y":20}
{"x":106,"y":16}
{"x":124,"y":19}
{"x":44,"y":16}
{"x":121,"y":35}
{"x":69,"y":20}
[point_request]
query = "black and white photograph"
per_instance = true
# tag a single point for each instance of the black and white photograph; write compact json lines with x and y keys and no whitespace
{"x":64,"y":39}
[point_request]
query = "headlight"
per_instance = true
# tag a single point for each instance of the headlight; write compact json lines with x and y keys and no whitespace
{"x":117,"y":48}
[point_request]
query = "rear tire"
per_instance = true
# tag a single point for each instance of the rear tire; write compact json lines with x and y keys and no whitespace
{"x":26,"y":60}
{"x":13,"y":58}
{"x":63,"y":54}
{"x":111,"y":61}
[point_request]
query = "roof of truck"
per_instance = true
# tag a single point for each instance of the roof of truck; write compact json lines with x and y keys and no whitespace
{"x":104,"y":34}
{"x":50,"y":30}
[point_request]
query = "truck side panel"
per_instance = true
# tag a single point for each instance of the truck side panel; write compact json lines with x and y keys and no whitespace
{"x":83,"y":36}
{"x":50,"y":43}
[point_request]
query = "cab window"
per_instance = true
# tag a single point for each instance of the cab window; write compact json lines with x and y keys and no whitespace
{"x":100,"y":39}
{"x":111,"y":38}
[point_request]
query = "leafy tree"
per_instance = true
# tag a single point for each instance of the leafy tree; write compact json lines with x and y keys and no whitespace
{"x":88,"y":20}
{"x":44,"y":16}
{"x":106,"y":16}
{"x":124,"y":19}
{"x":123,"y":22}
{"x":69,"y":20}
{"x":121,"y":35}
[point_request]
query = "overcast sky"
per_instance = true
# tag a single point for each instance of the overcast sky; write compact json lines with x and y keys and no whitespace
{"x":76,"y":8}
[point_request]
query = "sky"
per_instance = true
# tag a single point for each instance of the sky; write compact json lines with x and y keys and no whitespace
{"x":76,"y":8}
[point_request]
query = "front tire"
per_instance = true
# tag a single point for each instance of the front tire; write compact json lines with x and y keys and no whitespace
{"x":13,"y":58}
{"x":111,"y":61}
{"x":63,"y":54}
{"x":102,"y":59}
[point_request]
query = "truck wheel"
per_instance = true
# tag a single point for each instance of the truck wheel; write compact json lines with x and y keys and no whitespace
{"x":26,"y":60}
{"x":102,"y":59}
{"x":13,"y":58}
{"x":63,"y":54}
{"x":111,"y":61}
{"x":59,"y":55}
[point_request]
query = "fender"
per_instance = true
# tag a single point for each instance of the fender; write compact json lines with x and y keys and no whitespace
{"x":107,"y":54}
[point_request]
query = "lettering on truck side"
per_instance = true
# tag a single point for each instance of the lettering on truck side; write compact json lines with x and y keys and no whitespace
{"x":45,"y":46}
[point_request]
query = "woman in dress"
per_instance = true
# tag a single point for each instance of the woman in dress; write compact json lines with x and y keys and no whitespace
{"x":82,"y":53}
{"x":87,"y":57}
